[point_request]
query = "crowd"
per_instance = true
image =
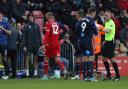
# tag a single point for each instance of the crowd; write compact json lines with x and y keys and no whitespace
{"x":21,"y":38}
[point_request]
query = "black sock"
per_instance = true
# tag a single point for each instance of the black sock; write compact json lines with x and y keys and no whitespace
{"x":77,"y":68}
{"x":115,"y":66}
{"x":90,"y":69}
{"x":84,"y":65}
{"x":106,"y":64}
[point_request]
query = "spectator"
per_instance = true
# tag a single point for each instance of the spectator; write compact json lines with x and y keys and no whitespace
{"x":18,"y":10}
{"x":4,"y":7}
{"x":76,"y":4}
{"x":4,"y":32}
{"x":98,"y":4}
{"x":123,"y":18}
{"x":100,"y":17}
{"x":51,"y":6}
{"x":109,"y":4}
{"x":34,"y":4}
{"x":122,"y":4}
{"x":118,"y":25}
{"x":65,"y":14}
{"x":124,"y":35}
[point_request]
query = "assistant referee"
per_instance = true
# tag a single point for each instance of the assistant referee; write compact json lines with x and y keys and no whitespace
{"x":109,"y":47}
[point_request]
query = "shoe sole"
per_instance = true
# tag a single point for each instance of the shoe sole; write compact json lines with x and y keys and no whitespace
{"x":116,"y":80}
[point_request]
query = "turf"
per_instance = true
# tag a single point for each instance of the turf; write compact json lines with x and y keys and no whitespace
{"x":61,"y":84}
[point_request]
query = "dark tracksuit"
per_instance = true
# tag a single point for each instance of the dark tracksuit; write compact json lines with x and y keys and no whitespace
{"x":32,"y":41}
{"x":32,"y":37}
{"x":12,"y":50}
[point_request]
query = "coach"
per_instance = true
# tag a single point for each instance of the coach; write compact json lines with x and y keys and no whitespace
{"x":32,"y":43}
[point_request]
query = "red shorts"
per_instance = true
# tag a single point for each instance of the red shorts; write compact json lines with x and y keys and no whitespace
{"x":52,"y":51}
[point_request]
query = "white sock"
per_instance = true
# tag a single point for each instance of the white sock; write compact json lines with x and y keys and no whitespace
{"x":65,"y":71}
{"x":35,"y":72}
{"x":58,"y":73}
{"x":77,"y":76}
{"x":45,"y":75}
{"x":27,"y":72}
{"x":55,"y":72}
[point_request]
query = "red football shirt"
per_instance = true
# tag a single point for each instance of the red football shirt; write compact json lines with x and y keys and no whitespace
{"x":52,"y":34}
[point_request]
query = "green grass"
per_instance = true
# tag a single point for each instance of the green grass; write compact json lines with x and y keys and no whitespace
{"x":61,"y":84}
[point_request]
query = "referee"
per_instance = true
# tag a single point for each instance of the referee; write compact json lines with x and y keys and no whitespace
{"x":109,"y":47}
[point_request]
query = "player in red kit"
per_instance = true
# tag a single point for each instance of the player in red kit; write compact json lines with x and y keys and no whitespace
{"x":52,"y":44}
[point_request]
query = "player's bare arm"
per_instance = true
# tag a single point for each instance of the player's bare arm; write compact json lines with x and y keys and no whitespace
{"x":5,"y":30}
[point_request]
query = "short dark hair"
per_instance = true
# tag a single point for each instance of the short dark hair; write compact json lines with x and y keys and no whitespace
{"x":30,"y":14}
{"x":1,"y":12}
{"x":91,"y":9}
{"x":49,"y":14}
{"x":81,"y":13}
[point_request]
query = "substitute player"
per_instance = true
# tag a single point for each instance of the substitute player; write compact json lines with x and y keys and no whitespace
{"x":52,"y":44}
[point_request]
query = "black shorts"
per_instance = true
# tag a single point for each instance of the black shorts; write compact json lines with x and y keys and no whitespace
{"x":108,"y":49}
{"x":32,"y":49}
{"x":86,"y":47}
{"x":3,"y":50}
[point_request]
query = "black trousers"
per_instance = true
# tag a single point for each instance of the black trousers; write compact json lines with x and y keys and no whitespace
{"x":12,"y":54}
{"x":3,"y":52}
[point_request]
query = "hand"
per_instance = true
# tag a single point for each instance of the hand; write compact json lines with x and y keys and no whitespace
{"x":1,"y":27}
{"x":25,"y":49}
{"x":43,"y":48}
{"x":100,"y":5}
{"x":103,"y":43}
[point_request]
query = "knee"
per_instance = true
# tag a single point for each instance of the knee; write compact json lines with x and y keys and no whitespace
{"x":112,"y":60}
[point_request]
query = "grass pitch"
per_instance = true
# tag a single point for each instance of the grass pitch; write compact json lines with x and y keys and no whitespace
{"x":62,"y":84}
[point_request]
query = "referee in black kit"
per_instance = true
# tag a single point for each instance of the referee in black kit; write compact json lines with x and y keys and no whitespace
{"x":109,"y":47}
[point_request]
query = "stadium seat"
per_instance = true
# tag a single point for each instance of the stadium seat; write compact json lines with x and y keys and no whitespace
{"x":38,"y":18}
{"x":37,"y":14}
{"x":40,"y":22}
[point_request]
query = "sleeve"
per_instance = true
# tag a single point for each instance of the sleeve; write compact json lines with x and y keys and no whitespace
{"x":8,"y":26}
{"x":46,"y":33}
{"x":39,"y":34}
{"x":94,"y":28}
{"x":18,"y":39}
{"x":101,"y":27}
{"x":24,"y":35}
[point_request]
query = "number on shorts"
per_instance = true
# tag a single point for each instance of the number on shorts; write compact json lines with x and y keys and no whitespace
{"x":55,"y":28}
